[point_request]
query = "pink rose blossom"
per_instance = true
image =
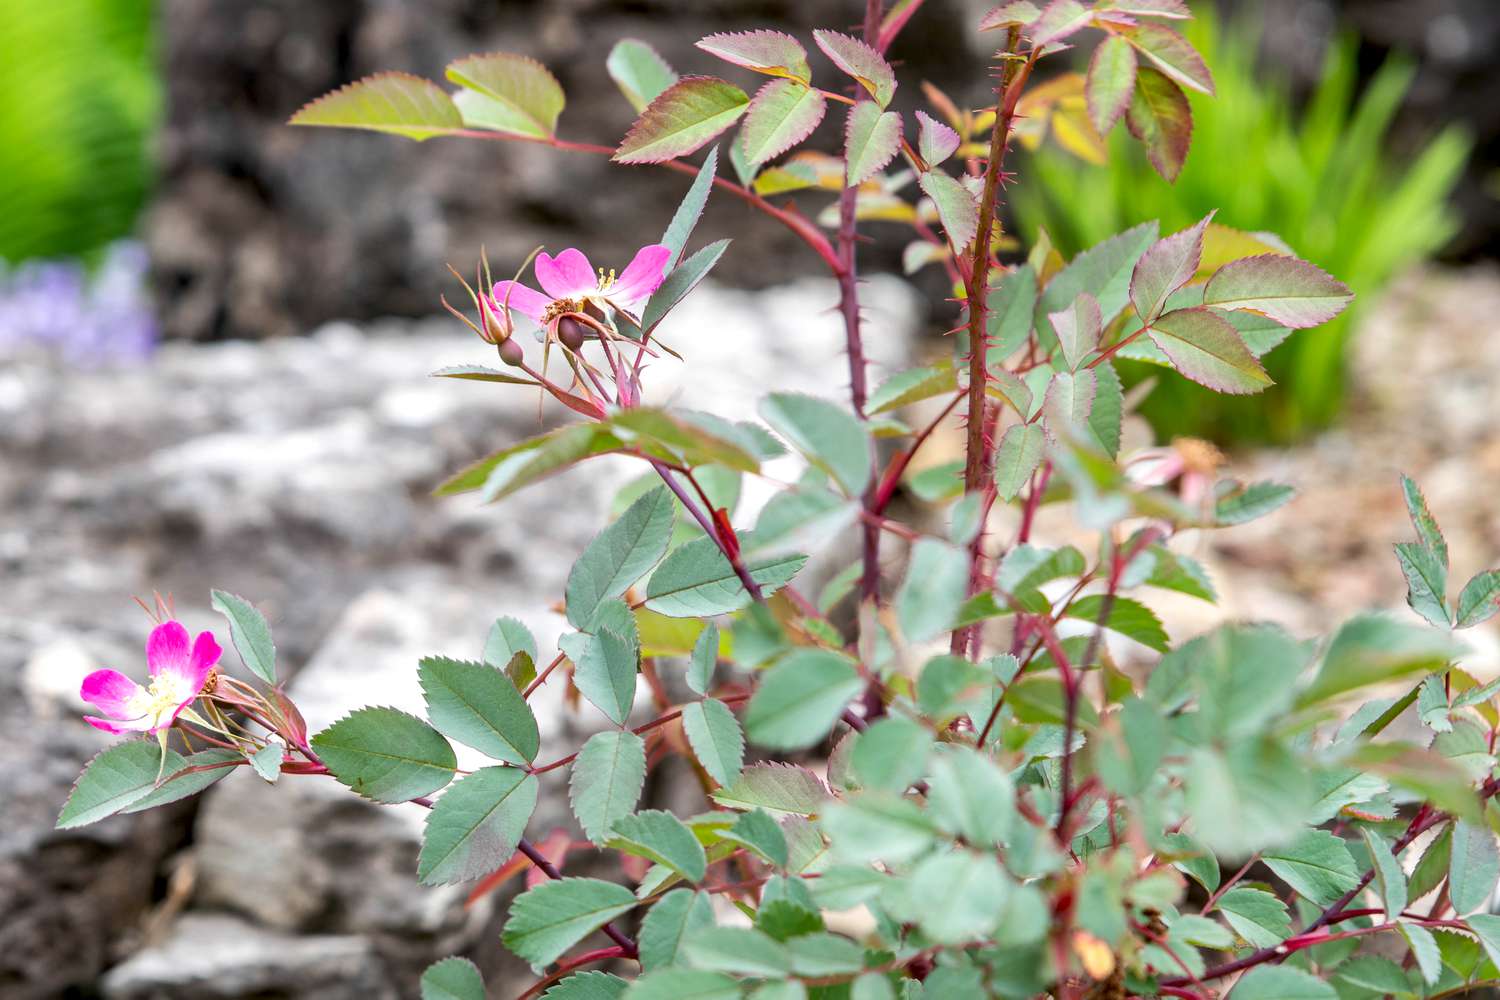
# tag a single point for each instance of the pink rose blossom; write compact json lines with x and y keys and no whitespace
{"x":177,"y":678}
{"x":570,"y":283}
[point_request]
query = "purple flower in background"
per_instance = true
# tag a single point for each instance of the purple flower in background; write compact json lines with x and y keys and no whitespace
{"x":96,"y":319}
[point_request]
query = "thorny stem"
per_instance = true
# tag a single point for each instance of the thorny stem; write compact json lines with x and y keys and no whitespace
{"x":539,"y":859}
{"x":706,"y":523}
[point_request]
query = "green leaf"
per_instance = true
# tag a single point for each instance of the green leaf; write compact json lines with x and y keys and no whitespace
{"x":1110,"y":82}
{"x":741,"y":950}
{"x":515,"y":94}
{"x":971,"y":797}
{"x":479,"y":373}
{"x":684,"y":984}
{"x":1078,"y":329}
{"x":1317,"y":865}
{"x":1292,"y":292}
{"x":478,"y":706}
{"x":249,"y":633}
{"x":696,"y":581}
{"x":663,"y":838}
{"x":1161,"y":120}
{"x":936,"y":580}
{"x":506,"y":471}
{"x":1018,"y":456}
{"x":687,"y":437}
{"x":958,"y":209}
{"x":1257,"y":916}
{"x":891,"y":754}
{"x":782,"y":114}
{"x":760,"y":833}
{"x":1129,"y":763}
{"x":1426,"y":582}
{"x":1166,"y":267}
{"x":682,"y":118}
{"x":619,"y":556}
{"x":1372,"y":649}
{"x":552,"y":917}
{"x":1421,"y":518}
{"x":861,"y":62}
{"x":1254,"y":501}
{"x":1389,"y":878}
{"x":1206,"y":348}
{"x":685,"y":219}
{"x":912,"y":386}
{"x":878,"y":826}
{"x":1375,"y":973}
{"x":606,"y":781}
{"x":639,"y":72}
{"x":267,"y":761}
{"x":386,"y":755}
{"x":508,"y":636}
{"x":777,"y":788}
{"x":1104,"y":271}
{"x":588,"y":986}
{"x":1480,"y":599}
{"x":801,"y":698}
{"x":398,"y":103}
{"x":1069,"y":400}
{"x":675,"y":915}
{"x":607,"y":660}
{"x":1280,"y":982}
{"x":935,"y":141}
{"x":1424,"y":948}
{"x":1487,"y":927}
{"x":872,"y":138}
{"x":183,"y":782}
{"x":700,"y":673}
{"x":116,"y":778}
{"x":714,"y":734}
{"x":683,"y":279}
{"x":452,"y":979}
{"x":831,"y":437}
{"x":1128,"y":617}
{"x":769,"y":52}
{"x":1182,"y":573}
{"x":1172,"y":54}
{"x":957,"y":896}
{"x":1473,"y":868}
{"x":475,"y":825}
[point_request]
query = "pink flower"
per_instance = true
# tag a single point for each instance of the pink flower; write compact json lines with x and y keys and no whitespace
{"x":571,"y":283}
{"x":177,"y":678}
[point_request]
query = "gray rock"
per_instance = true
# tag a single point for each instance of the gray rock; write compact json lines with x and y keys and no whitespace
{"x":215,"y":957}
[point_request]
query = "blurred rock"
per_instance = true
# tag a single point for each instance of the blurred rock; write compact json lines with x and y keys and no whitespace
{"x":212,"y":957}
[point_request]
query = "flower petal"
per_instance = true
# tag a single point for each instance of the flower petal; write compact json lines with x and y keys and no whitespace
{"x":206,"y":653}
{"x":643,"y":276}
{"x":520,"y":299}
{"x":167,"y":648}
{"x":115,"y":726}
{"x":566,"y":276}
{"x":111,"y":691}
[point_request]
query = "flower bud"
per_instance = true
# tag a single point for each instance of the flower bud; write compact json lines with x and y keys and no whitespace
{"x":496,"y":324}
{"x":511,"y":353}
{"x":571,"y":333}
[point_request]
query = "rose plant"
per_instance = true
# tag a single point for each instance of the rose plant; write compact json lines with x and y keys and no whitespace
{"x":945,"y":740}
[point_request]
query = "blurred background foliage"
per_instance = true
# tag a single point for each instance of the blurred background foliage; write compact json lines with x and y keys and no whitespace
{"x":1325,"y":177}
{"x":79,"y":100}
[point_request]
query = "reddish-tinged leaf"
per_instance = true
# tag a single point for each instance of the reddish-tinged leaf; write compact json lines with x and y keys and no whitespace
{"x":1172,"y":54}
{"x":935,"y":141}
{"x":684,"y":117}
{"x":769,"y":52}
{"x":957,"y":207}
{"x":1203,"y":346}
{"x":1169,"y":264}
{"x":1016,"y":12}
{"x":1058,"y":20}
{"x":1292,"y":292}
{"x":1159,"y":116}
{"x":1078,"y":328}
{"x":508,"y":93}
{"x":1111,"y":81}
{"x":1177,"y":9}
{"x":398,"y":103}
{"x":872,"y":138}
{"x":861,"y":62}
{"x":783,"y":113}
